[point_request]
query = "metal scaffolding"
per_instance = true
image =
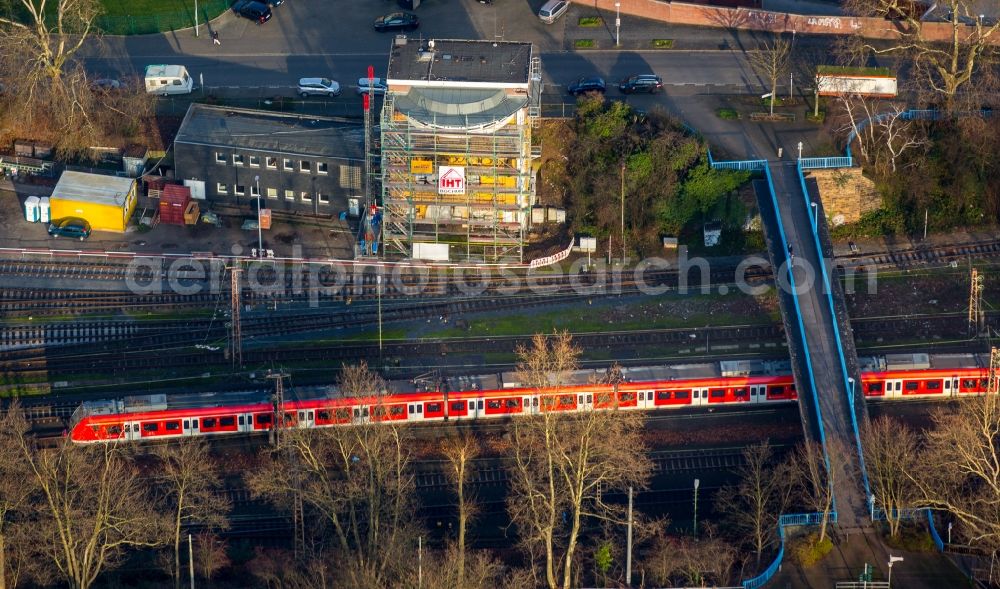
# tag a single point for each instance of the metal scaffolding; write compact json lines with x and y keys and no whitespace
{"x":490,"y":220}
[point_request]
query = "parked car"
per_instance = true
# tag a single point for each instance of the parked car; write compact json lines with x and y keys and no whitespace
{"x":273,"y":3}
{"x":378,"y":86}
{"x":397,"y":21}
{"x":649,"y":83}
{"x":318,"y":87}
{"x":253,"y":10}
{"x":552,"y":10}
{"x":70,"y":227}
{"x":587,"y":84}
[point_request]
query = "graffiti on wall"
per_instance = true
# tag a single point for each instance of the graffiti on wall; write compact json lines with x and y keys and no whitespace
{"x":833,"y":22}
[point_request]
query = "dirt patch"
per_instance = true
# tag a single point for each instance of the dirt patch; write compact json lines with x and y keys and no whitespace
{"x":937,"y":292}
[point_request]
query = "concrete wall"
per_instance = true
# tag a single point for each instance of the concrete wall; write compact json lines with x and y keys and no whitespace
{"x":846,"y":194}
{"x":764,"y":20}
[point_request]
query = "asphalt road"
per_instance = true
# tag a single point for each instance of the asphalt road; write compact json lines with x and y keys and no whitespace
{"x":316,"y":38}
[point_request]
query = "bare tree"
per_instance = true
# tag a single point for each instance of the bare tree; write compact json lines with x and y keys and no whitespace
{"x":772,"y":61}
{"x":460,"y":451}
{"x":944,"y":67}
{"x":209,"y":555}
{"x":16,"y":488}
{"x":357,"y":479}
{"x":763,"y":493}
{"x":189,"y":484}
{"x":890,"y":454}
{"x":691,"y":561}
{"x":960,"y":470}
{"x":93,"y":507}
{"x":815,"y":478}
{"x":882,"y":131}
{"x":564,"y":465}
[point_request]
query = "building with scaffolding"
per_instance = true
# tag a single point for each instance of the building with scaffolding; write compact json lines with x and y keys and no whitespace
{"x":456,"y":151}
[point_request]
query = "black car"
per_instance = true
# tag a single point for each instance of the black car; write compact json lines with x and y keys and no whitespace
{"x":397,"y":21}
{"x":587,"y":84}
{"x":253,"y":10}
{"x":70,"y":227}
{"x":649,"y":83}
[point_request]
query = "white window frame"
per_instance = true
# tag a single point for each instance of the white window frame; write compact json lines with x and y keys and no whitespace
{"x":254,"y":161}
{"x":239,"y":189}
{"x":305,"y":196}
{"x":221,"y":188}
{"x":272,"y":193}
{"x":239,"y":161}
{"x":254,"y":190}
{"x":220,"y":158}
{"x":322,"y":168}
{"x":271,"y":163}
{"x":288,"y":165}
{"x":305,"y":166}
{"x":289,"y":194}
{"x":323,"y":199}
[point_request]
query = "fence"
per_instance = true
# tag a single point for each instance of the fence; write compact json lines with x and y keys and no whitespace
{"x":155,"y":23}
{"x":819,"y":163}
{"x":792,"y":519}
{"x":747,"y":165}
{"x":913,"y":513}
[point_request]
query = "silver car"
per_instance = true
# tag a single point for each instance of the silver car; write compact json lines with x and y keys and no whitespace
{"x":318,"y":87}
{"x":378,"y":86}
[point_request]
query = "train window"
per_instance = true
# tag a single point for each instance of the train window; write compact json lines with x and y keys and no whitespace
{"x":480,"y":403}
{"x":603,"y":398}
{"x":302,"y":415}
{"x":378,"y":411}
{"x":912,"y":385}
{"x":458,"y":406}
{"x":114,"y":430}
{"x":128,"y":427}
{"x":343,"y":413}
{"x":364,"y":412}
{"x":432,"y":407}
{"x":631,"y":396}
{"x":412,"y":410}
{"x":208,"y":422}
{"x":357,"y":413}
{"x":933,"y":385}
{"x":567,"y":400}
{"x":493,"y":404}
{"x":397,"y":410}
{"x":581,"y":399}
{"x":663,"y":395}
{"x":187,"y":424}
{"x":984,"y":383}
{"x":420,"y":408}
{"x":681,"y":394}
{"x":968,"y":383}
{"x":173,"y":426}
{"x":791,"y":387}
{"x":194,"y":424}
{"x":718,"y":393}
{"x":513,"y":403}
{"x":534,"y":402}
{"x":289,"y":417}
{"x":227,"y":421}
{"x":740,"y":392}
{"x":590,"y":398}
{"x":323,"y":415}
{"x":242,"y":421}
{"x":874,"y":387}
{"x":150,"y":427}
{"x":777,"y":390}
{"x":264,"y":419}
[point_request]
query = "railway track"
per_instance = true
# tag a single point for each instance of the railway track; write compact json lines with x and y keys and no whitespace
{"x":290,"y":284}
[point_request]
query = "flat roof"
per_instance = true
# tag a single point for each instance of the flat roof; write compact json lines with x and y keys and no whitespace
{"x":93,"y":188}
{"x":259,"y":130}
{"x":459,"y":61}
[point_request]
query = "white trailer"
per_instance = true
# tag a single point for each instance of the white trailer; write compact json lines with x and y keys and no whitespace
{"x":834,"y":82}
{"x":168,"y":79}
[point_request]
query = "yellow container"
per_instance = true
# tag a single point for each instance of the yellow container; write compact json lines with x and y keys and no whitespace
{"x":106,"y":202}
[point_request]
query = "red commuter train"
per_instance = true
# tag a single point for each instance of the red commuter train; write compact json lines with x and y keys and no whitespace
{"x":744,"y":382}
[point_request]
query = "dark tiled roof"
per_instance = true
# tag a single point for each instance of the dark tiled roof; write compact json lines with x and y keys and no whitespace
{"x":272,"y":132}
{"x":500,"y":62}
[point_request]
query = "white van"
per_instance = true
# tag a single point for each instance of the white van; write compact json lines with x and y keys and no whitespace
{"x":168,"y":79}
{"x":552,"y":10}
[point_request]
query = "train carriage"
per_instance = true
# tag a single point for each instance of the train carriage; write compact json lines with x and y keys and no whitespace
{"x":152,"y":417}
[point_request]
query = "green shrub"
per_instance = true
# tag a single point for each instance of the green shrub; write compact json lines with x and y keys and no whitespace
{"x":809,"y":550}
{"x":583,"y":43}
{"x":728,"y":114}
{"x":590,"y":21}
{"x":663,"y":43}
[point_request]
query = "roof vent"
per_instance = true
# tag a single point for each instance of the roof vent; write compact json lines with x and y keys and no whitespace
{"x":425,"y":56}
{"x":400,"y":40}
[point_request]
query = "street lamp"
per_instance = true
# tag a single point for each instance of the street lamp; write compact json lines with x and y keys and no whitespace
{"x":623,"y":213}
{"x":892,"y":561}
{"x":949,"y":532}
{"x":618,"y":21}
{"x":260,"y":236}
{"x":850,"y":381}
{"x":378,"y":283}
{"x":815,"y":208}
{"x":695,"y":526}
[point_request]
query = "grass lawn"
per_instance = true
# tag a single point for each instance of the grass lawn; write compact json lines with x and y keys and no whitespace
{"x":139,"y":17}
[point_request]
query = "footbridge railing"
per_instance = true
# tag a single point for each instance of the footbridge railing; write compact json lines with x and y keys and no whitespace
{"x":788,"y":520}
